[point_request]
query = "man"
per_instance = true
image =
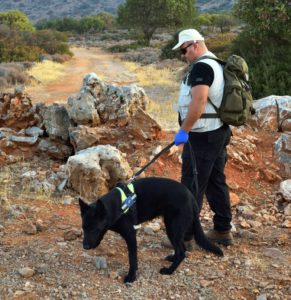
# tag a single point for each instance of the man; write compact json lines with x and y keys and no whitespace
{"x":205,"y":139}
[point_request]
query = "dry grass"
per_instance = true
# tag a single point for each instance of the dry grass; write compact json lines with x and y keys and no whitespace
{"x":162,"y":87}
{"x":47,"y":71}
{"x":149,"y":75}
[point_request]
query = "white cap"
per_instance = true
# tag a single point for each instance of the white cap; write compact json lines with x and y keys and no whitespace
{"x":187,"y":36}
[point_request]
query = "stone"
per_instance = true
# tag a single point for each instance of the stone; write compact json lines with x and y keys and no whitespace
{"x":286,"y":223}
{"x":72,"y":234}
{"x":274,"y":253}
{"x":28,"y":227}
{"x":55,"y":149}
{"x":282,"y":149}
{"x":234,"y":199}
{"x":34,"y":131}
{"x":26,"y":272}
{"x":56,"y":122}
{"x":94,"y":171}
{"x":285,"y":189}
{"x":287,"y":210}
{"x":100,"y":262}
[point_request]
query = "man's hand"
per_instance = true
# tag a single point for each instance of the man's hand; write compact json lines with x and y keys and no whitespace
{"x":181,"y":137}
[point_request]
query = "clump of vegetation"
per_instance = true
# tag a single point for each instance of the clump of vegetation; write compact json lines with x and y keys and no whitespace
{"x":86,"y":24}
{"x":46,"y":71}
{"x":147,"y":16}
{"x":19,"y":41}
{"x":265,"y":43}
{"x":11,"y":74}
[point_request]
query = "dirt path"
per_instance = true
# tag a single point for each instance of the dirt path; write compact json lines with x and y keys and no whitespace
{"x":86,"y":60}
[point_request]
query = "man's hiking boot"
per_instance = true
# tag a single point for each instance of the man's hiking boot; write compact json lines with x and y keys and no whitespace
{"x":190,"y":245}
{"x":220,"y":237}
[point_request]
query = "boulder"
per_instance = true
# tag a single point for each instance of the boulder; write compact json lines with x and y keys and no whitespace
{"x":16,"y":111}
{"x":142,"y":126}
{"x":285,"y":190}
{"x":118,"y":104}
{"x":55,"y":149}
{"x":282,"y":149}
{"x":94,"y":171}
{"x":56,"y":122}
{"x":271,"y":112}
{"x":83,"y":137}
{"x":82,"y":109}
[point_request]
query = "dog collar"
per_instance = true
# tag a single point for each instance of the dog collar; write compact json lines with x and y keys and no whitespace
{"x":127,"y":200}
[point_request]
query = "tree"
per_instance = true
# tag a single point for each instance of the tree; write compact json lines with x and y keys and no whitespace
{"x":148,"y":16}
{"x":265,"y":42}
{"x":15,"y":19}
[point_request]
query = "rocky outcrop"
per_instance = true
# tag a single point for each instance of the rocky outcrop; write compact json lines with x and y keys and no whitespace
{"x":56,"y":122}
{"x":272,"y":112}
{"x":16,"y":110}
{"x":94,"y":171}
{"x":98,"y":103}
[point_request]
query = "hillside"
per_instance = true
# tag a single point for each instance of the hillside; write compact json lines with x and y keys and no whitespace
{"x":49,"y":9}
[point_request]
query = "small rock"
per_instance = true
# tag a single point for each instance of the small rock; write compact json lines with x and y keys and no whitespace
{"x":42,"y":268}
{"x":39,"y":225}
{"x":29,"y":228}
{"x":247,"y":234}
{"x":274,"y":253}
{"x":286,"y":223}
{"x":287,"y":210}
{"x":234,"y":199}
{"x":285,"y":189}
{"x":113,"y":275}
{"x":157,"y":150}
{"x":72,"y":234}
{"x":26,"y":272}
{"x":205,"y":283}
{"x":68,"y":200}
{"x":261,"y":297}
{"x":255,"y":224}
{"x":100,"y":262}
{"x":244,"y":224}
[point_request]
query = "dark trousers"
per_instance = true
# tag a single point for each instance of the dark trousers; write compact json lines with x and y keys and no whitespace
{"x":209,"y":156}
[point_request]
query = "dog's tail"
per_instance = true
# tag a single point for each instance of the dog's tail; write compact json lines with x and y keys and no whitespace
{"x":202,"y":240}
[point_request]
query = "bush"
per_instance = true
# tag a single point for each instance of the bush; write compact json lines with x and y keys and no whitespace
{"x":125,"y":48}
{"x":11,"y":74}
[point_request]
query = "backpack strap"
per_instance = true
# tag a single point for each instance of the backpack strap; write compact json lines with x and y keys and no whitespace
{"x":211,"y":115}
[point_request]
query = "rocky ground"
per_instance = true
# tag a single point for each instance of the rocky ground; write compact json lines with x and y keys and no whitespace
{"x":42,"y":255}
{"x":41,"y":239}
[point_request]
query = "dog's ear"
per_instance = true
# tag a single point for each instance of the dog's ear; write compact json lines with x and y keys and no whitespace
{"x":83,"y":205}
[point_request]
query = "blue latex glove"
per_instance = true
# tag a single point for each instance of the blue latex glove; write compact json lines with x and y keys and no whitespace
{"x":181,"y":137}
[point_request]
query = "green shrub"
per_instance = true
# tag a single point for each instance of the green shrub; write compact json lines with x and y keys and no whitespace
{"x":124,"y":48}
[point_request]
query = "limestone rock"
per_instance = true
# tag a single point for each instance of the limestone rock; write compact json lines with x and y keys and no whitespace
{"x":283,"y":151}
{"x":267,"y":110}
{"x":285,"y":189}
{"x":55,"y":149}
{"x":57,"y":122}
{"x":93,"y":171}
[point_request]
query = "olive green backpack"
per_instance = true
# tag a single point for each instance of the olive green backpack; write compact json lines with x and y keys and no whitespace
{"x":237,"y":100}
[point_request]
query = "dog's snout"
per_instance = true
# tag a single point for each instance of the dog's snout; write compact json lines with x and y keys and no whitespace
{"x":86,"y":246}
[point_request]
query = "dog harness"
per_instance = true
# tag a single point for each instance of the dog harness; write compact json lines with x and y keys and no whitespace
{"x":128,"y":197}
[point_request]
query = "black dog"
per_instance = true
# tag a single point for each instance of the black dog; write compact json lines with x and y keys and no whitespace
{"x":155,"y":197}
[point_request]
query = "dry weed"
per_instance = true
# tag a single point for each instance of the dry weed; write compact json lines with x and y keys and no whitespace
{"x":149,"y":75}
{"x":161,"y":86}
{"x":47,"y":71}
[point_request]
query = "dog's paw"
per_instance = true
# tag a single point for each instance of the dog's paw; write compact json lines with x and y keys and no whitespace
{"x":170,"y":258}
{"x":165,"y":271}
{"x":129,"y":278}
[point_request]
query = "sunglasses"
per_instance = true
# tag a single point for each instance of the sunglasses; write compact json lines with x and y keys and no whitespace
{"x":184,"y":50}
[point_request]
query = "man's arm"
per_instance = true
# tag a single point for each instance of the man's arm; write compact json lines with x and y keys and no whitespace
{"x":196,"y":107}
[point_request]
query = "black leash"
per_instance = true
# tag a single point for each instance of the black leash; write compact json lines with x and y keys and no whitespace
{"x":150,"y":162}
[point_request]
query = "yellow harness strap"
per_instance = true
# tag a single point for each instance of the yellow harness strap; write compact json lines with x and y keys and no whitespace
{"x":123,"y":195}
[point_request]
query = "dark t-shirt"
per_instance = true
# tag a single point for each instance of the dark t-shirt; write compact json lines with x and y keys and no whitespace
{"x":201,"y":73}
